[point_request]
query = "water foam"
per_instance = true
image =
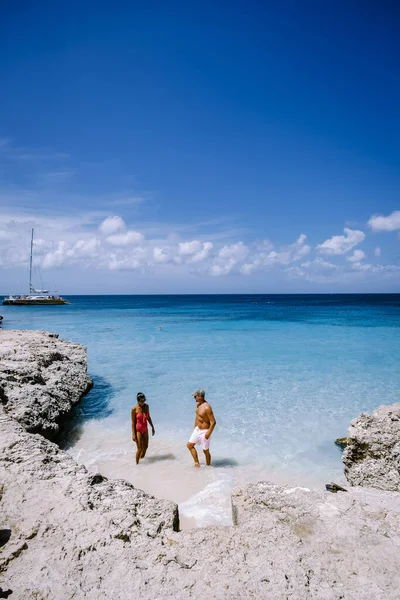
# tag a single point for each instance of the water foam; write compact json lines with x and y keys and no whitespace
{"x":211,"y":506}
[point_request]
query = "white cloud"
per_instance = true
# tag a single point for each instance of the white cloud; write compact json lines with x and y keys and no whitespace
{"x":227,"y":258}
{"x":322,"y":271}
{"x":249,"y":268}
{"x":317,"y":270}
{"x":369,"y":268}
{"x":389,"y":223}
{"x":286,"y":254}
{"x":84,"y":248}
{"x":136,"y":259}
{"x":194,"y":251}
{"x":222,"y":268}
{"x":203,"y":253}
{"x":356,"y":256}
{"x":320,"y":264}
{"x":340,"y":244}
{"x":188,"y":248}
{"x":56,"y":258}
{"x":235,"y":251}
{"x":264,"y":257}
{"x":301,"y":239}
{"x":112,"y":225}
{"x":98,"y":241}
{"x":377,"y":251}
{"x":125,"y":239}
{"x":265,"y":246}
{"x":161,"y":255}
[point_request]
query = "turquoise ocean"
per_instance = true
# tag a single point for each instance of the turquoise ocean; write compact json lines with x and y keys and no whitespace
{"x":285,"y":375}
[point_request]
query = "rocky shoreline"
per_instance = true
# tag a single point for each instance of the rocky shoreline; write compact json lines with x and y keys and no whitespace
{"x":372,"y":454}
{"x":65,"y":533}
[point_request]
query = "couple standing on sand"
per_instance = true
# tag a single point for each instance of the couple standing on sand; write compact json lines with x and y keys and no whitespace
{"x":204,"y":424}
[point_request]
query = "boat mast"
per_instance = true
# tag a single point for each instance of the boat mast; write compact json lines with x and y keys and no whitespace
{"x":30,"y":265}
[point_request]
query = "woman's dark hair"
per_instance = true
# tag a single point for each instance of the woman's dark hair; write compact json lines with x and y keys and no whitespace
{"x":140,"y":396}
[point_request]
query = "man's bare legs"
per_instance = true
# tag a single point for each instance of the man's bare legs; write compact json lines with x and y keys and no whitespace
{"x":208,"y":457}
{"x":193,"y":452}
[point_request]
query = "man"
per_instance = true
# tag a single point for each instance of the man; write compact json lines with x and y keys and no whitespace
{"x":204,"y":424}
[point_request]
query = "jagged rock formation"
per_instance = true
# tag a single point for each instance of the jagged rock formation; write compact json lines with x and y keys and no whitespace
{"x":41,"y":377}
{"x":372,"y":455}
{"x":67,"y":534}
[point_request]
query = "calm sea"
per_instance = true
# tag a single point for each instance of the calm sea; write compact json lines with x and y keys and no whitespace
{"x":285,"y":374}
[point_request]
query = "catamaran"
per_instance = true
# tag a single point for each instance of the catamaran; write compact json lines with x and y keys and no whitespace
{"x":41,"y":297}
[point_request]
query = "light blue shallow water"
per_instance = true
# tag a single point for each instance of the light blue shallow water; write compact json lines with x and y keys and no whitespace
{"x":284,"y":374}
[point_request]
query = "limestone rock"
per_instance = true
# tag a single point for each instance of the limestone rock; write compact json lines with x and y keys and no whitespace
{"x":63,"y":520}
{"x":337,"y":546}
{"x":341,"y":442}
{"x":41,"y":377}
{"x":372,"y":455}
{"x":76,"y":535}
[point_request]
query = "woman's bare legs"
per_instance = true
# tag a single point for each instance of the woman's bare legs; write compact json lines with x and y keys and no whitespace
{"x":139,"y":444}
{"x":145,"y":443}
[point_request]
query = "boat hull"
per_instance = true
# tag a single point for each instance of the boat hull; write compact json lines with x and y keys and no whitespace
{"x":26,"y":302}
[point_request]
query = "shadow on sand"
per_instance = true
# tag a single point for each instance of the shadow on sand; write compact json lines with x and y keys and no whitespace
{"x":95,"y":405}
{"x":159,"y":457}
{"x":224,"y":462}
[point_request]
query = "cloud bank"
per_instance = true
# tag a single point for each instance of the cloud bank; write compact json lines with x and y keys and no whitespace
{"x":101,"y":233}
{"x":95,"y":242}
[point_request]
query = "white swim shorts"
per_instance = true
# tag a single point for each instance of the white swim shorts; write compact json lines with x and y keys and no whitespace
{"x":199,"y":437}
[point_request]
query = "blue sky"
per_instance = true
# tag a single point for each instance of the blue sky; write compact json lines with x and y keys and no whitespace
{"x":188,"y":147}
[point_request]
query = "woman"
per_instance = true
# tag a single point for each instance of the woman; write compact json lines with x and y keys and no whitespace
{"x":140,"y":416}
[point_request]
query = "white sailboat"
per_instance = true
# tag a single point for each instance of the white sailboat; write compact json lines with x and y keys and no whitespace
{"x":35,"y":297}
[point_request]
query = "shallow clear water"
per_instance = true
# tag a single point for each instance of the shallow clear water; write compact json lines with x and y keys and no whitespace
{"x":284,"y":374}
